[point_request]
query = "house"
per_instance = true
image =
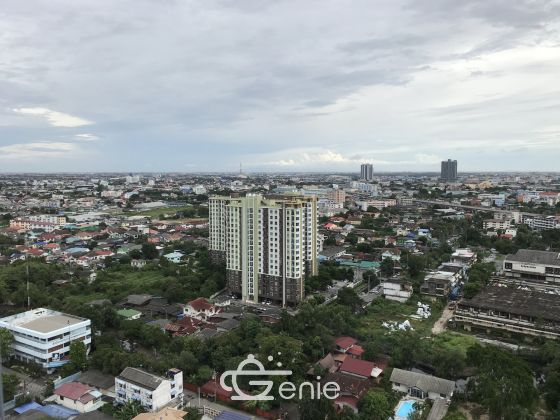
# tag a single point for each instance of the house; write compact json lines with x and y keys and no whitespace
{"x":360,"y":368}
{"x":348,"y":345}
{"x":79,"y":397}
{"x":200,"y":308}
{"x":397,"y":290}
{"x":129,"y":314}
{"x":137,"y":300}
{"x":174,"y":257}
{"x":184,"y":326}
{"x":327,"y":363}
{"x":227,"y":325}
{"x":438,"y":284}
{"x":213,"y":388}
{"x":152,"y":391}
{"x":392,"y":253}
{"x":421,"y":385}
{"x":102,"y":382}
{"x":352,"y":389}
{"x":166,"y":413}
{"x":464,"y":256}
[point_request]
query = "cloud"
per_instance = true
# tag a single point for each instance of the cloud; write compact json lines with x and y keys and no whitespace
{"x":86,"y":137}
{"x":42,"y":149}
{"x":318,"y":159}
{"x":398,"y":83}
{"x":56,"y":119}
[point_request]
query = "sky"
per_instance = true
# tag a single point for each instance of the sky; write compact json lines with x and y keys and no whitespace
{"x":280,"y":86}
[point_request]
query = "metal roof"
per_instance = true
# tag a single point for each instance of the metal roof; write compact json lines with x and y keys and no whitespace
{"x":426,"y":383}
{"x":535,"y":257}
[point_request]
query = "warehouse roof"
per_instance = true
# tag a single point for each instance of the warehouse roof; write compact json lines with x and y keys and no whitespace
{"x":535,"y":257}
{"x":516,"y":301}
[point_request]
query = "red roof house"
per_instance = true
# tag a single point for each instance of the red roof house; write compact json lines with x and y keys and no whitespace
{"x":359,"y":368}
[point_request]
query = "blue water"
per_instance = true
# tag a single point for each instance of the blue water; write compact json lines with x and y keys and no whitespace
{"x":405,"y":408}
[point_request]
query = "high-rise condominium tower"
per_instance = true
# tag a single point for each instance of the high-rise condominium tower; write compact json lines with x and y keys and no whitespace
{"x":269,"y":244}
{"x":449,"y":170}
{"x":366,"y":172}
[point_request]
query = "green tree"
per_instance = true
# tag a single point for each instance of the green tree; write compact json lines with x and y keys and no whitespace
{"x":387,"y":267}
{"x":348,"y":297}
{"x":6,"y":340}
{"x":375,"y":406}
{"x":10,"y":383}
{"x":129,"y":410}
{"x":78,"y":355}
{"x":313,"y":409}
{"x":503,"y":383}
{"x":149,"y":251}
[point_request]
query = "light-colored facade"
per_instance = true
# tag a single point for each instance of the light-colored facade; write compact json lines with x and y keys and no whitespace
{"x":43,"y":336}
{"x":79,"y":397}
{"x":540,"y":269}
{"x":337,"y":195}
{"x":269,"y":244}
{"x":397,"y":290}
{"x":46,"y":222}
{"x":541,"y":222}
{"x":152,"y":391}
{"x":497,"y":224}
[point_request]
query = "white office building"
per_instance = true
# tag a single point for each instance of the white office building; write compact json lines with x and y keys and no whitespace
{"x":152,"y":391}
{"x":43,"y":336}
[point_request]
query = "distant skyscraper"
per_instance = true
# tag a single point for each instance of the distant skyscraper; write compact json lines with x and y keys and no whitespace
{"x":449,"y":170}
{"x":269,"y":244}
{"x":366,"y":172}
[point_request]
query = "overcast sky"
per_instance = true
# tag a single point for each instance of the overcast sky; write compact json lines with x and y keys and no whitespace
{"x":180,"y":85}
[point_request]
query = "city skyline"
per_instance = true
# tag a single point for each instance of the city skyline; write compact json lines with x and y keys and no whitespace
{"x":187,"y":87}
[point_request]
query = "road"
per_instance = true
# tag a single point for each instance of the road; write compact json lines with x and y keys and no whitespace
{"x":33,"y":387}
{"x":479,"y":208}
{"x":441,"y":324}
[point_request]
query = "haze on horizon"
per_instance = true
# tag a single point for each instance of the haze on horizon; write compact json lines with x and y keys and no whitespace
{"x":179,"y":85}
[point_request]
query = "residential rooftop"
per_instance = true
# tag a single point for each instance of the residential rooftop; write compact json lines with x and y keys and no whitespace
{"x":41,"y":320}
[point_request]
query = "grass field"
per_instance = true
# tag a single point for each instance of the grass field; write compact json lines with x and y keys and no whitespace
{"x":167,"y":211}
{"x":455,"y":341}
{"x":383,"y":310}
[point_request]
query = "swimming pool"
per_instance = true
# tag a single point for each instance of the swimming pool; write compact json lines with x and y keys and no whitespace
{"x":404,"y":409}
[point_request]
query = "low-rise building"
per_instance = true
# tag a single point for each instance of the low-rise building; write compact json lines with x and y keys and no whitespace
{"x":129,"y":314}
{"x":152,"y":391}
{"x":421,"y":385}
{"x":43,"y":336}
{"x":511,"y":309}
{"x":464,"y":256}
{"x":397,"y":290}
{"x":496,"y":224}
{"x":536,"y":268}
{"x":79,"y":397}
{"x":438,"y":284}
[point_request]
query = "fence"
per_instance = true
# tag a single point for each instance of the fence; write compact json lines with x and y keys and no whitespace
{"x":62,"y":381}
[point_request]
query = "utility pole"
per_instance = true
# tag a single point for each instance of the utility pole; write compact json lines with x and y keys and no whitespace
{"x":1,"y":387}
{"x":27,"y":277}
